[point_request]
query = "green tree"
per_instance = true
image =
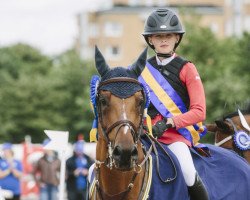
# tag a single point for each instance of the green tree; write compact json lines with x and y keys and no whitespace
{"x":242,"y":64}
{"x":74,"y":76}
{"x":22,"y":58}
{"x":22,"y":72}
{"x":41,"y":93}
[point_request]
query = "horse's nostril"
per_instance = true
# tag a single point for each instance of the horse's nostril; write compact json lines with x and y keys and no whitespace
{"x":117,"y":152}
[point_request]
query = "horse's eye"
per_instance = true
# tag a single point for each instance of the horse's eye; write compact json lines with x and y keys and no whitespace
{"x":141,"y":102}
{"x":103,"y":100}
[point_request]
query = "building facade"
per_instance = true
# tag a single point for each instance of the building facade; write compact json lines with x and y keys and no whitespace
{"x":117,"y":30}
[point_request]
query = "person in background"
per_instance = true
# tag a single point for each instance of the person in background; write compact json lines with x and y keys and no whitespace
{"x":177,"y":96}
{"x":10,"y":172}
{"x":46,"y":174}
{"x":77,"y":169}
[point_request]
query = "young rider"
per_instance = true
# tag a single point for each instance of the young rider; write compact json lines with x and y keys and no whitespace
{"x":177,"y":95}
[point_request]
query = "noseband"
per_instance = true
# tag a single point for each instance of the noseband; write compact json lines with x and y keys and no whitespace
{"x":120,"y":123}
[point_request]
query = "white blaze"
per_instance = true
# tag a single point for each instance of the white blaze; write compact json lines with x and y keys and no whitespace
{"x":124,"y":115}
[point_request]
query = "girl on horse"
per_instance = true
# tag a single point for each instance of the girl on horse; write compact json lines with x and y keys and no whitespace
{"x":177,"y":95}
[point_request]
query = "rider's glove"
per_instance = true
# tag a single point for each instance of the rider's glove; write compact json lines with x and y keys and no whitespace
{"x":160,"y":127}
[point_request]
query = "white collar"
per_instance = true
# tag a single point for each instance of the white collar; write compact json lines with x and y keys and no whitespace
{"x":164,"y":61}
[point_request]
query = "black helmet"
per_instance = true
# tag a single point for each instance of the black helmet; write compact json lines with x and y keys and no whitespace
{"x":162,"y":21}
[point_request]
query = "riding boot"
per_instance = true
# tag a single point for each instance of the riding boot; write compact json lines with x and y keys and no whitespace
{"x":198,"y":191}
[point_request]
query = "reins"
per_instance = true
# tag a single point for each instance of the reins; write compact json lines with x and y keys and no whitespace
{"x":153,"y":143}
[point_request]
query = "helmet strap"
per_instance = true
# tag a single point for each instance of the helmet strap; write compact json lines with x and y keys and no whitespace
{"x":165,"y":55}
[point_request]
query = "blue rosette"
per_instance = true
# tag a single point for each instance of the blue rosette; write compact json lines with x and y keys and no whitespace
{"x":242,"y":140}
{"x":95,"y":80}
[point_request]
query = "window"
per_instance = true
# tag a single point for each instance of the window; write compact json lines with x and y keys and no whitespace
{"x":113,"y":29}
{"x":247,"y":24}
{"x":113,"y":52}
{"x":93,"y":30}
{"x":133,"y":2}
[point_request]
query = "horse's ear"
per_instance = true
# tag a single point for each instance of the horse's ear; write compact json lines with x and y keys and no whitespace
{"x":100,"y":62}
{"x":223,"y":125}
{"x":139,"y":65}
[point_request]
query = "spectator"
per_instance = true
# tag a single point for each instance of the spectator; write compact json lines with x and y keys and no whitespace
{"x":46,"y":174}
{"x":10,"y":172}
{"x":77,"y":171}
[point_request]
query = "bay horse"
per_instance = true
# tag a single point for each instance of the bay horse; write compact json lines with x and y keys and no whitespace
{"x":232,"y":132}
{"x":130,"y":165}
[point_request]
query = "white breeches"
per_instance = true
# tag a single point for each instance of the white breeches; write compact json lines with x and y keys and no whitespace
{"x":184,"y":157}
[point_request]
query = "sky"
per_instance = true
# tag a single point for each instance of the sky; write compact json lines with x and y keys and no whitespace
{"x":49,"y":25}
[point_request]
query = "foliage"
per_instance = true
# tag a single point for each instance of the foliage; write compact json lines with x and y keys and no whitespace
{"x":74,"y":76}
{"x":41,"y":93}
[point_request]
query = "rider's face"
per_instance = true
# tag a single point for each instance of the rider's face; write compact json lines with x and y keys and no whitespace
{"x":164,"y":42}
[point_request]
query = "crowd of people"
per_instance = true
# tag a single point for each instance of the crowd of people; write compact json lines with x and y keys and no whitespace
{"x":46,"y":171}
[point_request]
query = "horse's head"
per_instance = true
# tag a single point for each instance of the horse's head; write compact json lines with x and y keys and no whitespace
{"x":232,"y":132}
{"x":120,"y":101}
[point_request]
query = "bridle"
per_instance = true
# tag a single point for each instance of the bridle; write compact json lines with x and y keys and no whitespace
{"x":135,"y":131}
{"x":231,"y":137}
{"x":226,"y":139}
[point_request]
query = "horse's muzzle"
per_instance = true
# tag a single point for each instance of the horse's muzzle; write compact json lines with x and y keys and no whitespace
{"x":125,"y":158}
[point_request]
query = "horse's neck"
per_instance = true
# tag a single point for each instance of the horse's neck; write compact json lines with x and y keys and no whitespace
{"x":115,"y":184}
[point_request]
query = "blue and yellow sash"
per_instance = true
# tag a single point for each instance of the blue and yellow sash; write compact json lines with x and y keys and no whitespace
{"x":168,"y":102}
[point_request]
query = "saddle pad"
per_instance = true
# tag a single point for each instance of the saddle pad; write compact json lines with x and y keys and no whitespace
{"x":225,"y":174}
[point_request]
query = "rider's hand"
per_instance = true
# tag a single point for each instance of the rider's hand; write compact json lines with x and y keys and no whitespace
{"x":170,"y":121}
{"x":161,"y":126}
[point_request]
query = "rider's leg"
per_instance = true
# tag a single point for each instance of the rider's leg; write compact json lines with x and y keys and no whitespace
{"x":183,"y":155}
{"x":196,"y":188}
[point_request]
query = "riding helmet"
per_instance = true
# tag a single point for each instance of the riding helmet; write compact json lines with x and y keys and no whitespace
{"x":162,"y":21}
